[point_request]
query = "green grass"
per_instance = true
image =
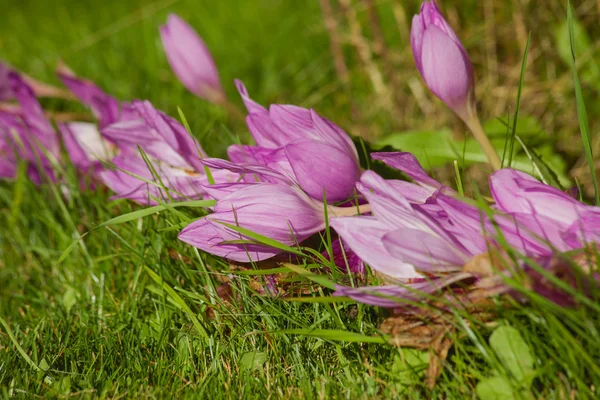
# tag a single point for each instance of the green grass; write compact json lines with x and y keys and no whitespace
{"x":128,"y":311}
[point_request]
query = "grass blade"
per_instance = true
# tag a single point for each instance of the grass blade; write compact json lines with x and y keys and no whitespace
{"x":336,"y":334}
{"x":581,"y":110}
{"x":155,"y":209}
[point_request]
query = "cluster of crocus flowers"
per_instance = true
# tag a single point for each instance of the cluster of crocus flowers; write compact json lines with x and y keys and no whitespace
{"x":423,"y":237}
{"x":303,"y":174}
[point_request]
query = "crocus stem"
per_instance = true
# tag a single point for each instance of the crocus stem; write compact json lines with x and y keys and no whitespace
{"x":474,"y":125}
{"x":349,"y":211}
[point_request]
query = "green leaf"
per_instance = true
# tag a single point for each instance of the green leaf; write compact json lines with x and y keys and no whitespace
{"x":496,"y":388}
{"x":253,"y":360}
{"x":438,"y":148}
{"x":526,"y":126}
{"x":334,"y":334}
{"x":156,"y":209}
{"x":512,"y":350}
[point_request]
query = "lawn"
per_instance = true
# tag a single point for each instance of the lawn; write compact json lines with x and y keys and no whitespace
{"x":94,"y":307}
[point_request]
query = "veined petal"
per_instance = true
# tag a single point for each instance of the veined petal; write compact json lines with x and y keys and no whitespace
{"x":364,"y":236}
{"x":320,"y":168}
{"x":427,"y":252}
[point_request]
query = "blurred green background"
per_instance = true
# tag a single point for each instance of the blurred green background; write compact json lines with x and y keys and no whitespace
{"x":281,"y":50}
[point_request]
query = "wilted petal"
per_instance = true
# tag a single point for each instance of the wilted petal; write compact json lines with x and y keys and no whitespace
{"x":258,"y":170}
{"x":408,"y":163}
{"x":251,"y":105}
{"x":127,"y":135}
{"x":40,"y":129}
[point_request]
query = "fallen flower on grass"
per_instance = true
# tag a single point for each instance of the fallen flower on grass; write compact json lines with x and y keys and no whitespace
{"x":278,"y":211}
{"x":298,"y":142}
{"x":173,"y":154}
{"x":429,"y":244}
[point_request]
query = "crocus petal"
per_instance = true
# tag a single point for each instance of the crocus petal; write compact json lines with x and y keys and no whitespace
{"x":408,"y":163}
{"x":105,"y":108}
{"x":190,"y":59}
{"x":584,"y":231}
{"x":427,"y":252}
{"x":259,"y":170}
{"x":394,"y":296}
{"x":210,"y":237}
{"x":323,"y":168}
{"x":133,"y":133}
{"x":417,"y":29}
{"x":413,"y":193}
{"x":446,"y":68}
{"x":8,"y":167}
{"x":273,"y":158}
{"x":251,"y":105}
{"x":220,"y":190}
{"x":84,"y":144}
{"x":33,"y":115}
{"x":518,"y":192}
{"x":364,"y":236}
{"x":172,"y":133}
{"x":277,"y":211}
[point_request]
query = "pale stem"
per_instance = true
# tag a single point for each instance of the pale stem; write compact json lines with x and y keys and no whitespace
{"x":474,"y":124}
{"x":349,"y":211}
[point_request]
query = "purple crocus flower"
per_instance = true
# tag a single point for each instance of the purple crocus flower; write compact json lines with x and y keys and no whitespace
{"x":442,"y":60}
{"x":85,"y":146}
{"x":402,"y":240}
{"x":174,"y":154}
{"x":557,"y":219}
{"x":191,"y":60}
{"x":275,"y":210}
{"x":105,"y":108}
{"x":27,"y":134}
{"x":299,"y":143}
